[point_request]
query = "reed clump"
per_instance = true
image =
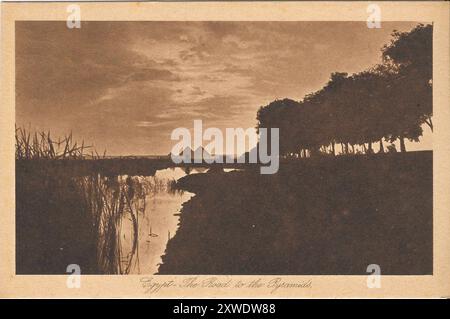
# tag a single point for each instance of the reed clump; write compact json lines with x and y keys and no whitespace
{"x":41,"y":145}
{"x":111,"y":200}
{"x":65,"y":216}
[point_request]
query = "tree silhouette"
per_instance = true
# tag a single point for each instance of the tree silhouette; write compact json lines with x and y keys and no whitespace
{"x":412,"y":53}
{"x":388,"y":101}
{"x":276,"y":115}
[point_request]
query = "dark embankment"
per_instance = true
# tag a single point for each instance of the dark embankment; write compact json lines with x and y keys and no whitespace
{"x":316,"y":216}
{"x":53,"y":226}
{"x":105,"y":166}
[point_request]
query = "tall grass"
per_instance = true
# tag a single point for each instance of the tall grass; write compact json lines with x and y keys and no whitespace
{"x":110,"y":200}
{"x":41,"y":145}
{"x":103,"y":201}
{"x":100,"y":203}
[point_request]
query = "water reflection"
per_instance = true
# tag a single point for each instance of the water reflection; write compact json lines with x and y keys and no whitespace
{"x":157,"y":221}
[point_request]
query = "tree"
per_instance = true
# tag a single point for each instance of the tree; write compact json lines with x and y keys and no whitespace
{"x":276,"y":115}
{"x":412,"y":54}
{"x":389,"y":101}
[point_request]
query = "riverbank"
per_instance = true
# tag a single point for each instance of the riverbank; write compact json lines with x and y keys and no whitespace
{"x":324,"y":216}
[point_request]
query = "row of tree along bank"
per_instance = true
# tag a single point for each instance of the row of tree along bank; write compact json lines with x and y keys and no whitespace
{"x":391,"y":101}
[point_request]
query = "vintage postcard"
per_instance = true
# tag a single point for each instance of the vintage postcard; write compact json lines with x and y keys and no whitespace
{"x":225,"y":149}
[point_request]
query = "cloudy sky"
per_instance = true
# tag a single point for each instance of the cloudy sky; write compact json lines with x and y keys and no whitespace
{"x":124,"y":86}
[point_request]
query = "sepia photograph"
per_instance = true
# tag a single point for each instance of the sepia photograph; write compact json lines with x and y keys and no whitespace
{"x":95,"y":109}
{"x":268,"y":148}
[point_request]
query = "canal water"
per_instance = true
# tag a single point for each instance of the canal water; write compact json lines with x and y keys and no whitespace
{"x":157,"y":222}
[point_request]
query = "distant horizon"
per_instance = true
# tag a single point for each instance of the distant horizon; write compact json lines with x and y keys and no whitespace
{"x":124,"y":86}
